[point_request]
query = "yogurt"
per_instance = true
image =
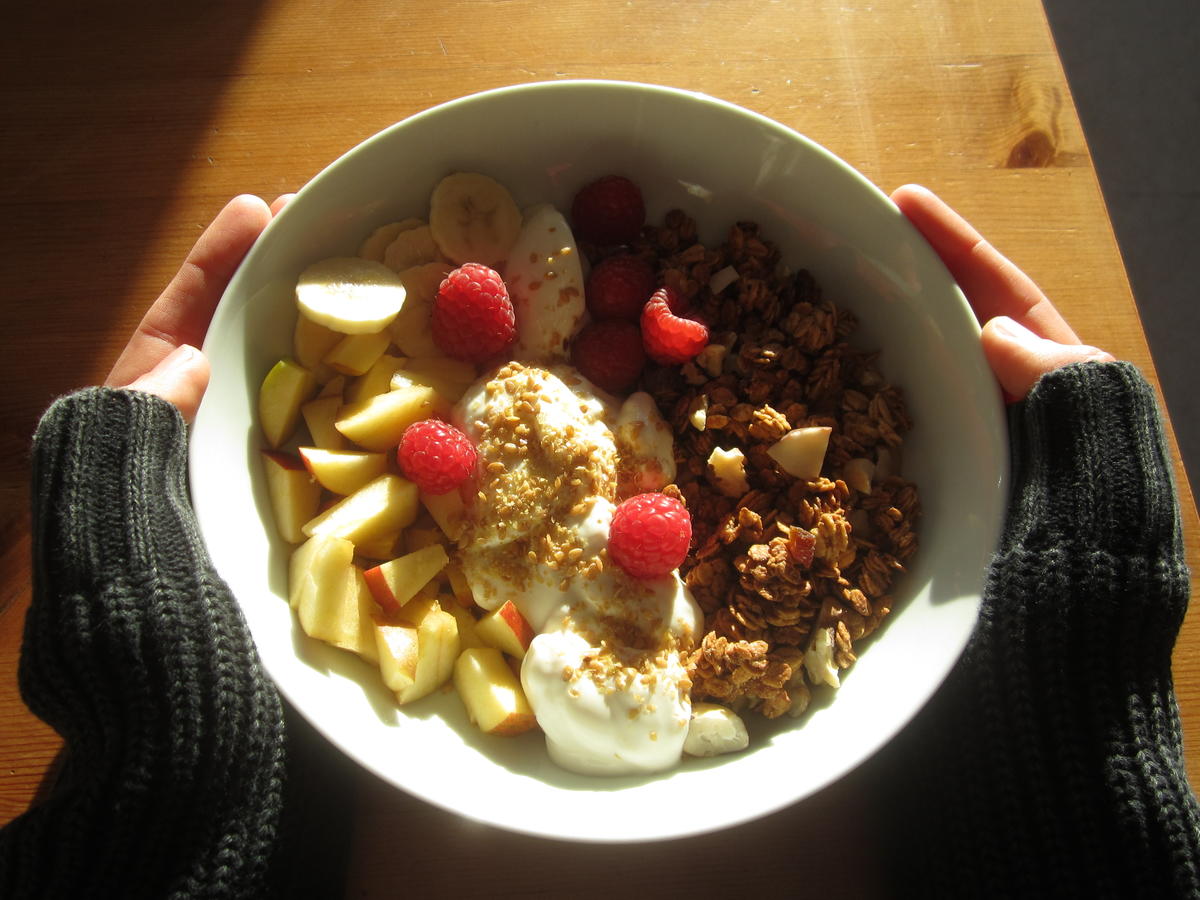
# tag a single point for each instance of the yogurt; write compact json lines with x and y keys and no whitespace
{"x":604,"y":675}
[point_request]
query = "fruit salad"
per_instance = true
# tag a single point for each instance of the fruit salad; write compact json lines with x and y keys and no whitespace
{"x":497,"y":452}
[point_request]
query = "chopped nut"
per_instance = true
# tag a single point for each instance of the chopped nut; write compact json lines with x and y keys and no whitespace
{"x":801,"y":452}
{"x":857,"y":473}
{"x":722,"y":279}
{"x":698,"y":412}
{"x":727,"y":471}
{"x":712,"y":358}
{"x":715,"y":730}
{"x":818,"y":661}
{"x":692,"y":374}
{"x":887,"y":463}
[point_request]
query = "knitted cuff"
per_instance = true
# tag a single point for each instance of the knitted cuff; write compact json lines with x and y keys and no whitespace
{"x":1050,"y":764}
{"x":114,"y":544}
{"x":1091,"y":466}
{"x":136,"y":652}
{"x":1069,"y":669}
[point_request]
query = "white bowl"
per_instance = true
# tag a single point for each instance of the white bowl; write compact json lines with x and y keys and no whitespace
{"x":722,"y":164}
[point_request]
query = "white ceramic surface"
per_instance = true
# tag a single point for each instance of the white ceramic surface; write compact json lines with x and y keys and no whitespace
{"x":721,"y":163}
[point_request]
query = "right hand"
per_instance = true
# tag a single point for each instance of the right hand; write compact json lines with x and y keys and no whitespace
{"x":1024,"y":336}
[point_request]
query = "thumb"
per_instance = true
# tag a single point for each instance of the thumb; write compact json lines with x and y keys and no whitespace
{"x":1019,"y":357}
{"x":180,"y":377}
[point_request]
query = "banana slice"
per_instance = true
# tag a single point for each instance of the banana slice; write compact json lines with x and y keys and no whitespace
{"x":350,"y":295}
{"x":473,"y":218}
{"x":410,"y":330}
{"x":377,"y":242}
{"x":411,"y":247}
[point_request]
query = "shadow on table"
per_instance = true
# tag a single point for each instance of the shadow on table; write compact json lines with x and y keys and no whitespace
{"x":105,"y":105}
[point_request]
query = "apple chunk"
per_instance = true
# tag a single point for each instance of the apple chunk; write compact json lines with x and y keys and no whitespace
{"x":459,"y":586}
{"x":506,"y":629}
{"x":355,"y":354}
{"x":284,"y":390}
{"x":319,"y":415}
{"x":447,"y":510}
{"x":376,"y":380}
{"x":379,"y":422}
{"x":343,"y":471}
{"x":398,"y":649}
{"x":491,"y":693}
{"x":397,"y":581}
{"x":310,"y":342}
{"x":413,"y":672}
{"x":379,"y":507}
{"x":342,"y":618}
{"x":467,"y":638}
{"x":295,"y":497}
{"x":319,"y":565}
{"x":449,"y":377}
{"x":386,"y":546}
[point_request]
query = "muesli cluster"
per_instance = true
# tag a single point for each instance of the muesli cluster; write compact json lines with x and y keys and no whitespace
{"x":790,"y":571}
{"x":613,"y":484}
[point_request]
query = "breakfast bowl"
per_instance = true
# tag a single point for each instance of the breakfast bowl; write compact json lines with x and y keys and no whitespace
{"x":721,"y":164}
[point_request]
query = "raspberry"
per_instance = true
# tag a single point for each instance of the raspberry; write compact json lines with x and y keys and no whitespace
{"x":435,"y":456}
{"x":608,"y":211}
{"x":472,"y":316}
{"x":649,"y":535}
{"x":669,"y":336}
{"x":619,"y":287}
{"x":609,"y":354}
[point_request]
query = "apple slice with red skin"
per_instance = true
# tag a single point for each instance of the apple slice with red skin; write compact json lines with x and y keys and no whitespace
{"x":397,"y":581}
{"x":506,"y":629}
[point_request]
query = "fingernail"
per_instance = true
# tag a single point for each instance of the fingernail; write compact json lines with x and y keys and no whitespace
{"x":1014,"y":330}
{"x":179,"y":358}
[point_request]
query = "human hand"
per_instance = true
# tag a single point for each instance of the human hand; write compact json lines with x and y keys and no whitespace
{"x":1024,"y":336}
{"x":162,"y":356}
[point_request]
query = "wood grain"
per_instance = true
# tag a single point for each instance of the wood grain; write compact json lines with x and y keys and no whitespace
{"x":129,"y":129}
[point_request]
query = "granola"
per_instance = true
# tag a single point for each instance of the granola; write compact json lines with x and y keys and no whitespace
{"x":791,"y":573}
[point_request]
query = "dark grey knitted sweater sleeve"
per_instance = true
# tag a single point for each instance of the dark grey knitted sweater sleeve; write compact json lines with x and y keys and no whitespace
{"x":135,"y":651}
{"x":1051,"y":762}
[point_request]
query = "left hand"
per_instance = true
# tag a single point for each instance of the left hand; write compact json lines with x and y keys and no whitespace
{"x":1023,"y":335}
{"x":162,"y":356}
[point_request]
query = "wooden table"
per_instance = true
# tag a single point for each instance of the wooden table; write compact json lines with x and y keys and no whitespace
{"x":129,"y":127}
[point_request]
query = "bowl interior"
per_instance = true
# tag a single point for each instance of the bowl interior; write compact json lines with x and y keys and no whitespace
{"x":721,"y":164}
